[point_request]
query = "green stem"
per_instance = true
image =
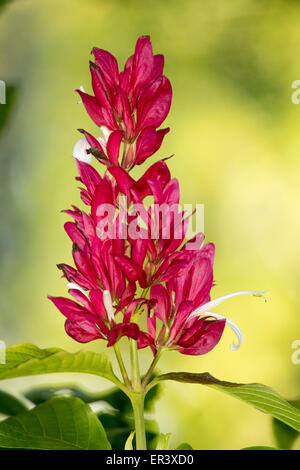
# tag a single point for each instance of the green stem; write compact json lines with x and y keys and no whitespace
{"x":137,"y":400}
{"x":135,"y":368}
{"x":151,"y":368}
{"x":137,"y":396}
{"x":122,"y":366}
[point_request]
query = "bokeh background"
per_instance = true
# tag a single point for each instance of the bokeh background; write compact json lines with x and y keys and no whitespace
{"x":235,"y":135}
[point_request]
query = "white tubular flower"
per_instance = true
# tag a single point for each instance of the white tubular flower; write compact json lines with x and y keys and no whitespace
{"x":233,"y":326}
{"x":73,"y":285}
{"x":108,"y":305}
{"x":212,"y":303}
{"x":205,"y":310}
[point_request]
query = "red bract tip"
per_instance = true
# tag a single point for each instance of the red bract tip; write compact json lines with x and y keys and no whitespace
{"x":135,"y":101}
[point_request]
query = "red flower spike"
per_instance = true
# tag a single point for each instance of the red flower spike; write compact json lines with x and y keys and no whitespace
{"x":119,"y":242}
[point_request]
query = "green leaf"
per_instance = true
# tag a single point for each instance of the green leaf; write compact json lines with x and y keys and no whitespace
{"x":128,"y":443}
{"x":260,"y":448}
{"x":58,"y":424}
{"x":285,"y":436}
{"x":118,"y":421}
{"x":27,"y":359}
{"x":260,"y":396}
{"x":184,"y":446}
{"x":163,"y":441}
{"x":10,"y":405}
{"x":117,"y":418}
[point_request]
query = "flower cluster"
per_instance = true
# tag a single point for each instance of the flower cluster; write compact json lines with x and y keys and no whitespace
{"x":132,"y":104}
{"x":121,"y":269}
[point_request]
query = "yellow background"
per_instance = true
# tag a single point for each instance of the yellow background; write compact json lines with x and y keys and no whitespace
{"x":236,"y":138}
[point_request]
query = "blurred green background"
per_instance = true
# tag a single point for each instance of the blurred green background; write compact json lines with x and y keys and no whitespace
{"x":235,"y":135}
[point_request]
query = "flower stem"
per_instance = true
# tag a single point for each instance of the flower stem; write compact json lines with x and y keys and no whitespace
{"x":122,"y":366}
{"x":135,"y":368}
{"x":137,"y":397}
{"x":151,"y":368}
{"x":137,"y":400}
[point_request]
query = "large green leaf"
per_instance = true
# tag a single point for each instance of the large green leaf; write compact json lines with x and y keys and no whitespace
{"x":117,"y":417}
{"x":260,"y":396}
{"x":60,"y":423}
{"x":10,"y":405}
{"x":27,"y":359}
